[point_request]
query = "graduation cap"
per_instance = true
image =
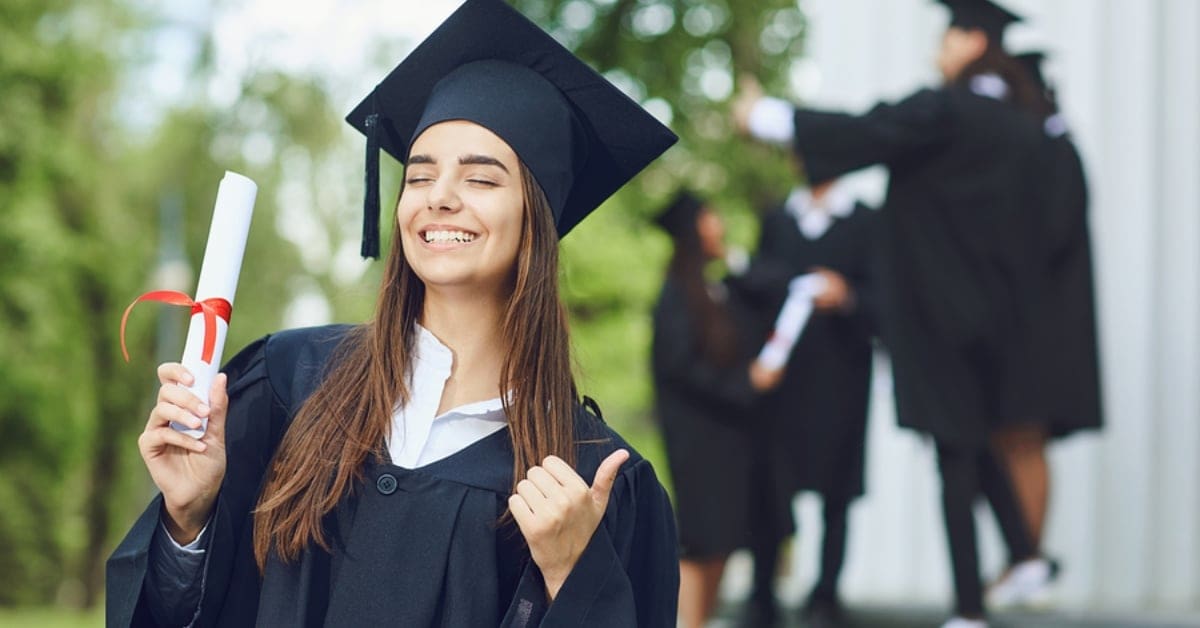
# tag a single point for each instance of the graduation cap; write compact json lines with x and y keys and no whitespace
{"x":580,"y":136}
{"x":680,"y":213}
{"x":983,"y":15}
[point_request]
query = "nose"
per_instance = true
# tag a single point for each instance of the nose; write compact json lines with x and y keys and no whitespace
{"x":443,"y":196}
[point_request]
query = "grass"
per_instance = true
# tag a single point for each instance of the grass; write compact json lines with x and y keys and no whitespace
{"x":50,"y":618}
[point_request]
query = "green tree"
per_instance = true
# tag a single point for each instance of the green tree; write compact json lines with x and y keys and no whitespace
{"x":80,"y":192}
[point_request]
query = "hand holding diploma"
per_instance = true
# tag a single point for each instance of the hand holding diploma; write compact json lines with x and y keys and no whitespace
{"x":183,"y":444}
{"x":187,"y":470}
{"x":790,"y":323}
{"x":213,"y":305}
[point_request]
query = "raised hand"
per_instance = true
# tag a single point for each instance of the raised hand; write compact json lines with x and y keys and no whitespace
{"x":187,"y":470}
{"x":748,"y":92}
{"x":558,"y":513}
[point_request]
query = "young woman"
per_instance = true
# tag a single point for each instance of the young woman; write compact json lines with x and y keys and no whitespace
{"x":956,"y":262}
{"x":434,"y":466}
{"x":1064,"y":318}
{"x":707,"y":382}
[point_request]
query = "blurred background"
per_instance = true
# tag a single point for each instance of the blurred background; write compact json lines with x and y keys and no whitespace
{"x":118,"y":118}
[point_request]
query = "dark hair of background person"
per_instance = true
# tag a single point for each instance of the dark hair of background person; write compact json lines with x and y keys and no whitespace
{"x":715,"y":331}
{"x":348,"y":417}
{"x":1023,"y":90}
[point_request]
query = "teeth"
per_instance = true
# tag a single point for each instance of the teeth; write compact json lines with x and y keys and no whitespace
{"x":448,"y":236}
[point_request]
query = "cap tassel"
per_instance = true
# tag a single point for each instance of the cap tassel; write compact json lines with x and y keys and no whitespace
{"x":370,"y":234}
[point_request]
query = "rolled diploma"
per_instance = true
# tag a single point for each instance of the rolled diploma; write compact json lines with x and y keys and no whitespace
{"x":792,"y":319}
{"x":218,"y":278}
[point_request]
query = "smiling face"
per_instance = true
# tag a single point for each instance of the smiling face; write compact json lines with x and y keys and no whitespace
{"x":461,"y":213}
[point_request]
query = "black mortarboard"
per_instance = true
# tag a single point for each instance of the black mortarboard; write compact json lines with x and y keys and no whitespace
{"x":580,"y":137}
{"x":985,"y":15}
{"x":1032,"y":63}
{"x":680,"y":214}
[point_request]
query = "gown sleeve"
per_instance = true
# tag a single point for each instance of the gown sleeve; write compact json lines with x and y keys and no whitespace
{"x":627,"y":576}
{"x":838,"y":143}
{"x":254,"y":424}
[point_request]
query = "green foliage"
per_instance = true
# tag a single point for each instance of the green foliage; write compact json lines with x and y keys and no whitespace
{"x":81,"y":198}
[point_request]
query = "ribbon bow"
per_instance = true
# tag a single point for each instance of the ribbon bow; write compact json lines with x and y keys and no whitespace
{"x":211,"y":309}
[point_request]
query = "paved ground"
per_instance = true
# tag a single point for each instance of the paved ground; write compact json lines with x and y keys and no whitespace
{"x":884,"y":617}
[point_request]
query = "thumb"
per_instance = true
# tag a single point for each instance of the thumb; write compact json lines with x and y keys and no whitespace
{"x":606,"y":475}
{"x":218,"y":402}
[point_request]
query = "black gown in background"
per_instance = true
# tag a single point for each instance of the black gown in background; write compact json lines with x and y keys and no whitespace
{"x":708,"y":418}
{"x":411,"y":547}
{"x":816,"y":419}
{"x":1065,"y":342}
{"x":957,"y":267}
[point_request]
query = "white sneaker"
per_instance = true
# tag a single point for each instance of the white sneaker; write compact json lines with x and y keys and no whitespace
{"x":1027,"y":584}
{"x":963,"y":622}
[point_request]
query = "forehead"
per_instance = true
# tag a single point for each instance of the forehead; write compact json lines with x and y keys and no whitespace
{"x":456,"y":138}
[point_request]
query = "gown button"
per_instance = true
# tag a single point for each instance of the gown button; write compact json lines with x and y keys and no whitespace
{"x":386,"y":484}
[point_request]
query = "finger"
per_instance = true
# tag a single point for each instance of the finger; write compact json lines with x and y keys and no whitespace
{"x":520,"y":511}
{"x":164,"y":412}
{"x":174,"y":373}
{"x":218,"y":400}
{"x":563,"y":472}
{"x":606,"y":475}
{"x":546,"y":483}
{"x":184,"y":398}
{"x":163,"y":437}
{"x":533,"y":495}
{"x":167,"y":413}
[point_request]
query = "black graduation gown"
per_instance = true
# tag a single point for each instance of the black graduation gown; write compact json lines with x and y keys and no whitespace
{"x":956,"y":262}
{"x":817,"y":417}
{"x":1065,"y":317}
{"x":414,"y":547}
{"x":707,"y":416}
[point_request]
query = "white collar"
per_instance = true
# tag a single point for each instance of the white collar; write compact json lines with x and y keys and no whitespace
{"x":814,"y":219}
{"x":1055,"y":125}
{"x":989,"y":85}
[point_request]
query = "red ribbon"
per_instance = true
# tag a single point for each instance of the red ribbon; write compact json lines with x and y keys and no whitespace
{"x":211,"y":308}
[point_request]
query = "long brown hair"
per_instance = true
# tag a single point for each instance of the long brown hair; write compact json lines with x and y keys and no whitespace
{"x":714,"y":331}
{"x":347,"y":418}
{"x":1023,"y":91}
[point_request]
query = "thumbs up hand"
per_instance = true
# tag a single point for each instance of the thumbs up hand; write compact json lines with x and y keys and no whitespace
{"x":558,"y":513}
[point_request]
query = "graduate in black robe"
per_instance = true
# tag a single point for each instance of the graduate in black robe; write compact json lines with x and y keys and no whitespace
{"x":707,"y":386}
{"x":956,"y":269}
{"x":434,"y":466}
{"x":1063,"y":345}
{"x":814,"y":432}
{"x":413,"y":547}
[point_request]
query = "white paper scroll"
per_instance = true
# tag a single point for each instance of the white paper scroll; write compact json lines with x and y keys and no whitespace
{"x":793,"y":316}
{"x":218,"y":278}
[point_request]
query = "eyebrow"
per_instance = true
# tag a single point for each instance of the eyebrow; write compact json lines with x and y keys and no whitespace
{"x":465,"y":160}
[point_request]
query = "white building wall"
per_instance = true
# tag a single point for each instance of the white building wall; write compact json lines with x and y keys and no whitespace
{"x":1125,"y":512}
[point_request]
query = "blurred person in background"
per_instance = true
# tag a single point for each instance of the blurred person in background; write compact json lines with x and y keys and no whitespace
{"x":1063,"y":344}
{"x":707,"y":385}
{"x":956,"y":263}
{"x":816,"y":420}
{"x":435,"y":465}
